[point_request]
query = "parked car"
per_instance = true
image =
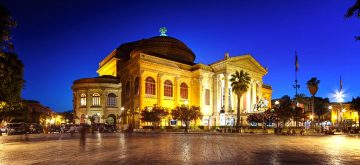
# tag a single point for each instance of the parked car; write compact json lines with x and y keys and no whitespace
{"x":16,"y":128}
{"x":3,"y":129}
{"x":107,"y":128}
{"x":35,"y":128}
{"x":54,"y":128}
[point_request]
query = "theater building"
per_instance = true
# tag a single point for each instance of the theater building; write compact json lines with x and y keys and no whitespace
{"x":161,"y":70}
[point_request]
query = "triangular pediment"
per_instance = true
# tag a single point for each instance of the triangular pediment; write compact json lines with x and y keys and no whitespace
{"x":247,"y":62}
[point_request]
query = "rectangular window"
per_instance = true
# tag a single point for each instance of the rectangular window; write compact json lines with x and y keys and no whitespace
{"x":83,"y":101}
{"x":96,"y":101}
{"x":207,"y":96}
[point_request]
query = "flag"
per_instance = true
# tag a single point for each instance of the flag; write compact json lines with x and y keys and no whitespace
{"x":340,"y":83}
{"x":296,"y":62}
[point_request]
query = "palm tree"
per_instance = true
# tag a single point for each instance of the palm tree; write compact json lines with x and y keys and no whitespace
{"x":313,"y":86}
{"x":354,"y":10}
{"x":240,"y":84}
{"x":355,"y":105}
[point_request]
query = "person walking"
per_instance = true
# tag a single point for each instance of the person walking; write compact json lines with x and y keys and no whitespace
{"x":82,"y":136}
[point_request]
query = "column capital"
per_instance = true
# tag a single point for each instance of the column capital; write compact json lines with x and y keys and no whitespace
{"x":200,"y":78}
{"x":177,"y":78}
{"x":142,"y":71}
{"x":160,"y":75}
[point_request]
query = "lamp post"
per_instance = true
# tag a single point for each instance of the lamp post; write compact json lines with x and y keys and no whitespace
{"x":121,"y":113}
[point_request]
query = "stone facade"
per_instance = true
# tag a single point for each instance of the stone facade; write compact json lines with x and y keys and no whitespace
{"x":152,"y":64}
{"x":98,"y":97}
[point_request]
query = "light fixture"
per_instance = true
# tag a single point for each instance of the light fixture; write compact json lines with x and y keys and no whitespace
{"x":277,"y":102}
{"x":339,"y":96}
{"x":186,"y":102}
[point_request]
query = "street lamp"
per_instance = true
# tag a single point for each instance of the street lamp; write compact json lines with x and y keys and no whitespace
{"x":277,"y":102}
{"x":339,"y":96}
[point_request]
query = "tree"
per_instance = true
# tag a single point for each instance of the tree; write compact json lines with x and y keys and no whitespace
{"x":313,"y":86}
{"x":256,"y":118}
{"x":153,"y":114}
{"x":7,"y":23}
{"x":281,"y":113}
{"x":68,"y":116}
{"x":186,"y":114}
{"x":321,"y":107}
{"x":354,"y":10}
{"x":240,"y":84}
{"x":11,"y":69}
{"x":355,"y":105}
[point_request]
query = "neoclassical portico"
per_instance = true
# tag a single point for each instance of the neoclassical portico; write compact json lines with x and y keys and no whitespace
{"x":225,"y":100}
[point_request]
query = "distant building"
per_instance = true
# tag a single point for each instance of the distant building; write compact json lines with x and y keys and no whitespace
{"x":161,"y":70}
{"x":343,"y":114}
{"x":32,"y":112}
{"x":98,"y":97}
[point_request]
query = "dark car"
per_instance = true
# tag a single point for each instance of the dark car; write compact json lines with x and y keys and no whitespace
{"x":107,"y":128}
{"x":16,"y":128}
{"x":55,"y":128}
{"x":35,"y":128}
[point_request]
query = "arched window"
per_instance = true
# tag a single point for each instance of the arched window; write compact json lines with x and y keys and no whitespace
{"x":83,"y":99}
{"x":96,"y":99}
{"x":137,"y":86}
{"x":111,"y":100}
{"x":150,"y":86}
{"x":127,"y":89}
{"x":183,"y":91}
{"x":168,"y":88}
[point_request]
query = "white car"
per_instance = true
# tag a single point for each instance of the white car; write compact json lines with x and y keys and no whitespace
{"x":3,"y":129}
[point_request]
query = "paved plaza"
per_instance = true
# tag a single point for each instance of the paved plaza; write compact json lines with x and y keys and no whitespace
{"x":179,"y":149}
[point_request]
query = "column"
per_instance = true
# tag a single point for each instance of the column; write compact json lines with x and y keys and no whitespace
{"x":258,"y":90}
{"x":88,"y":102}
{"x":251,"y":95}
{"x":176,"y":90}
{"x":103,"y":102}
{"x":226,"y":90}
{"x":248,"y":106}
{"x":201,"y":101}
{"x":141,"y":89}
{"x":160,"y":90}
{"x":215,"y":93}
{"x":254,"y":101}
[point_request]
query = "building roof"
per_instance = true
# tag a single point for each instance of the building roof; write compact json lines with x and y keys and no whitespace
{"x":101,"y":79}
{"x":160,"y":46}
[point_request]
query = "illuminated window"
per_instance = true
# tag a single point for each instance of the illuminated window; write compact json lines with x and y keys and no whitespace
{"x":183,"y":91}
{"x":168,"y":88}
{"x":207,"y":97}
{"x":111,"y":100}
{"x":83,"y":99}
{"x":137,"y":86}
{"x":150,"y":86}
{"x":96,"y":99}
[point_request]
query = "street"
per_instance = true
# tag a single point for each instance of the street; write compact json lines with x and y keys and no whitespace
{"x":118,"y":148}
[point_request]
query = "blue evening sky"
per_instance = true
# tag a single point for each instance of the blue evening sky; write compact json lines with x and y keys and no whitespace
{"x":60,"y":41}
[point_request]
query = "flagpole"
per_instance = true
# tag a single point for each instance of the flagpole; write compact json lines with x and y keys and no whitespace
{"x":296,"y":86}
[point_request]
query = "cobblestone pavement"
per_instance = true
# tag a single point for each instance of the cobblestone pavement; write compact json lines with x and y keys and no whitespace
{"x":179,"y":149}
